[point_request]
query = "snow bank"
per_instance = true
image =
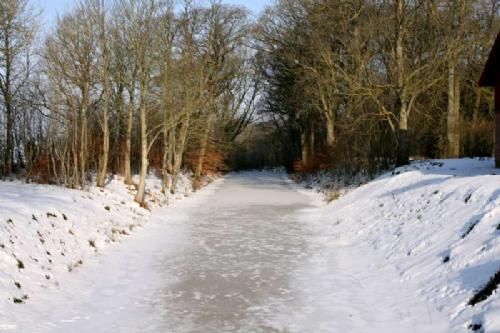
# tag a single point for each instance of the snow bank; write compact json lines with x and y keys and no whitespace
{"x":410,"y":249}
{"x":46,"y":232}
{"x":331,"y":184}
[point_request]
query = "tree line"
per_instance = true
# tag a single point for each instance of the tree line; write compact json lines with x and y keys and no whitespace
{"x":119,"y":86}
{"x":126,"y":86}
{"x":363,"y":85}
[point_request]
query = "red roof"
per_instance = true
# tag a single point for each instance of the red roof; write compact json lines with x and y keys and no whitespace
{"x":491,"y":72}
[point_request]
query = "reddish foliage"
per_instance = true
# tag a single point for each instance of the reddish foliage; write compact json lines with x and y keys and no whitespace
{"x":213,"y":162}
{"x":322,"y":159}
{"x":40,"y":171}
{"x":156,"y":161}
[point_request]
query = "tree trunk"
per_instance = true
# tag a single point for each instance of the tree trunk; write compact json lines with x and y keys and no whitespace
{"x":105,"y":150}
{"x":7,"y":95}
{"x":171,"y":150}
{"x":75,"y":174}
{"x":453,"y":123}
{"x":307,"y":140}
{"x":403,"y":154}
{"x":9,"y":149}
{"x":165,"y":180}
{"x":83,"y":135}
{"x":330,"y":129}
{"x":202,"y":152}
{"x":179,"y":151}
{"x":128,"y":140}
{"x":140,"y":195}
{"x":311,"y":140}
{"x":118,"y":129}
{"x":167,"y":104}
{"x":168,"y":144}
{"x":305,"y":149}
{"x":477,"y":105}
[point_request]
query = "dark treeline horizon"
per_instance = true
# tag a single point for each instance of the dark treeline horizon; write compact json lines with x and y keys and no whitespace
{"x":133,"y":86}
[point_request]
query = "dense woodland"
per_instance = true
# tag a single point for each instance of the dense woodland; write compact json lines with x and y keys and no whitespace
{"x":364,"y":85}
{"x":138,"y":86}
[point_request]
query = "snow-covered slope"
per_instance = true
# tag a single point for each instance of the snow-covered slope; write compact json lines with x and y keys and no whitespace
{"x":331,"y":184}
{"x":413,"y":246}
{"x":47,"y":232}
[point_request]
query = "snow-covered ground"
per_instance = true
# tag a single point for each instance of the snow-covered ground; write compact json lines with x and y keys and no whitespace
{"x":409,"y":249}
{"x":219,"y":261}
{"x":47,"y":232}
{"x":253,"y":253}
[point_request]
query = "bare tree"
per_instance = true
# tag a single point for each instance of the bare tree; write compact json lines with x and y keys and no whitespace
{"x":17,"y":31}
{"x":100,"y":17}
{"x":225,"y":36}
{"x":142,"y":17}
{"x":168,"y":33}
{"x":70,"y":57}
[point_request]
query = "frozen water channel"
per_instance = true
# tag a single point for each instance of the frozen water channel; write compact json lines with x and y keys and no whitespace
{"x":244,"y":245}
{"x":222,"y":261}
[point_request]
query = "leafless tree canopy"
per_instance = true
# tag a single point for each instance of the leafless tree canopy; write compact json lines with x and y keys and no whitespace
{"x":121,"y":87}
{"x":364,"y":85}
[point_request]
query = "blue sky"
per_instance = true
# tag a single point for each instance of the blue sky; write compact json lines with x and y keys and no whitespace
{"x":52,"y":7}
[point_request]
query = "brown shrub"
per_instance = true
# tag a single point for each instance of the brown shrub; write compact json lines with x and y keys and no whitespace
{"x":478,"y":138}
{"x":40,"y":171}
{"x":325,"y":158}
{"x":214,"y":161}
